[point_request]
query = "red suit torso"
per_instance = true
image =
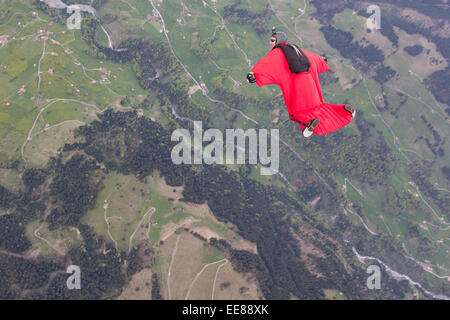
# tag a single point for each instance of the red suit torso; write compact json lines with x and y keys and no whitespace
{"x":301,"y":92}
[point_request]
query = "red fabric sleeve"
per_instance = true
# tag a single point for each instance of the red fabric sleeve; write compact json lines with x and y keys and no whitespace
{"x":317,"y":62}
{"x":274,"y":69}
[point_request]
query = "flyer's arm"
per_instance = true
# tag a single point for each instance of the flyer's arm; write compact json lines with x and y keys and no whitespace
{"x":274,"y":69}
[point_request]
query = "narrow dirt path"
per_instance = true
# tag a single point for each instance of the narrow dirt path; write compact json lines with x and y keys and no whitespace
{"x":198,"y":275}
{"x":170,"y":265}
{"x":215,"y":278}
{"x":130,"y":241}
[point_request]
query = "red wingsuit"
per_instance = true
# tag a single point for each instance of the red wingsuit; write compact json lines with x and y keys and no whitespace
{"x":301,"y":92}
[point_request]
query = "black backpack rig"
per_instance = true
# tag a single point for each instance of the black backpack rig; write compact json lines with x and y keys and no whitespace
{"x":297,"y":60}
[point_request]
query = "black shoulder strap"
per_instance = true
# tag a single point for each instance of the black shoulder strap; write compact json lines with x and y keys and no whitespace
{"x":296,"y":49}
{"x":302,"y":56}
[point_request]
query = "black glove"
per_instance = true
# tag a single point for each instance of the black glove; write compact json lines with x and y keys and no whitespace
{"x":251,"y":77}
{"x":324,"y":58}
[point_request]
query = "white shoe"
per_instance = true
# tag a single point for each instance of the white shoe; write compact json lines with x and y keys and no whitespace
{"x":350,"y":109}
{"x":307,"y":133}
{"x":309,"y":130}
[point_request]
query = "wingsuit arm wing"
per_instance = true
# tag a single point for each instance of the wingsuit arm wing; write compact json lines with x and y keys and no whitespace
{"x":271,"y":69}
{"x":317,"y":62}
{"x":274,"y":69}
